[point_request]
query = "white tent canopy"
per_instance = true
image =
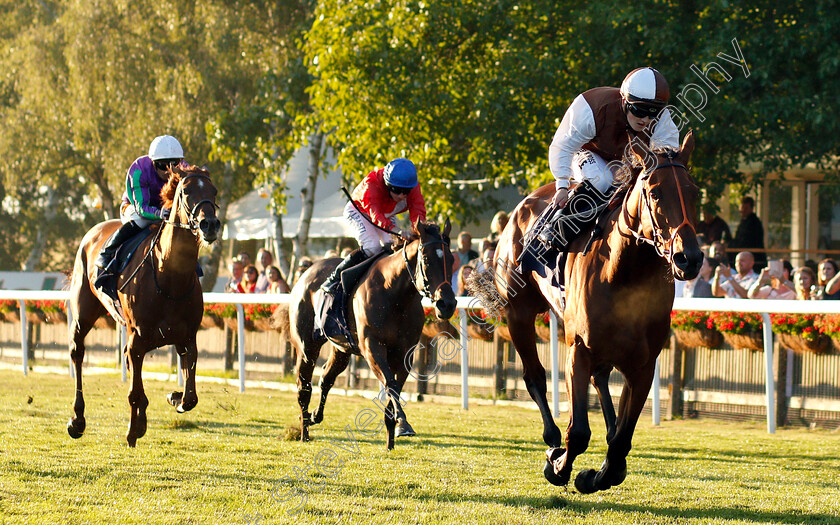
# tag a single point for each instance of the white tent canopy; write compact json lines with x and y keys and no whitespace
{"x":250,"y":218}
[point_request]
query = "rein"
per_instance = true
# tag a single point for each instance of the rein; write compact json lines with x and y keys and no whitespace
{"x":662,"y":246}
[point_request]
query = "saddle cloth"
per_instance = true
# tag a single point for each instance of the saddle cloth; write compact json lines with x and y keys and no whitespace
{"x":107,"y":282}
{"x":331,"y":309}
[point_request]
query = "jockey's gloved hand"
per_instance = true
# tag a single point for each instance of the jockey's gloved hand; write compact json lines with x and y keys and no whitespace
{"x":561,"y":197}
{"x":164,"y":213}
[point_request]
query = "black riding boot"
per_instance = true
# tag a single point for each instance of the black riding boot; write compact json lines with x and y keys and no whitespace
{"x":355,"y":257}
{"x":583,"y":206}
{"x":126,"y":232}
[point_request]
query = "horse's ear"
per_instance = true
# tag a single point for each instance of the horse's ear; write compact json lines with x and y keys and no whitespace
{"x":446,"y":227}
{"x":687,"y":147}
{"x":415,"y":227}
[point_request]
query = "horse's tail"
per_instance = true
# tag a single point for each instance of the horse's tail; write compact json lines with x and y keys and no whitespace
{"x":280,"y":319}
{"x":483,"y":286}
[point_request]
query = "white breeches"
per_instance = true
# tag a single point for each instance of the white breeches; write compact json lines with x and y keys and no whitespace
{"x":590,"y":166}
{"x":370,"y":238}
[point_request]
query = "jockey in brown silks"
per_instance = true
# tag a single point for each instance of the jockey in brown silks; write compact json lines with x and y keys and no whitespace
{"x":591,"y":146}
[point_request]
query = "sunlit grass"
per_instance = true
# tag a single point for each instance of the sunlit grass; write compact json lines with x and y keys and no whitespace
{"x":220,"y":462}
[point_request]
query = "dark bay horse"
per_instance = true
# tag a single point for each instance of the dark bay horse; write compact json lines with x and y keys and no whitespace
{"x":161,"y":298}
{"x":385,"y":316}
{"x":619,"y":296}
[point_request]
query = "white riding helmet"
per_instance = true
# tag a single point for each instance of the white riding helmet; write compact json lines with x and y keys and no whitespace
{"x":166,"y":147}
{"x":647,"y":86}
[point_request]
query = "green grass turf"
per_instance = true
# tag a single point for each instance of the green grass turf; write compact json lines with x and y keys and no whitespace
{"x":220,"y":463}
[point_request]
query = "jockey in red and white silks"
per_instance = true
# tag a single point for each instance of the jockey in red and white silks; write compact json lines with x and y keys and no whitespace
{"x":382,"y":195}
{"x":382,"y":205}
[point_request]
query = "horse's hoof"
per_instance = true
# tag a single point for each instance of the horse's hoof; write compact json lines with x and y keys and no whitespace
{"x":552,"y":477}
{"x":614,"y":480}
{"x":174,"y":398}
{"x":404,"y":429}
{"x":552,"y":455}
{"x":76,"y":427}
{"x":585,"y":481}
{"x":186,"y":406}
{"x":131,"y":440}
{"x":317,"y":417}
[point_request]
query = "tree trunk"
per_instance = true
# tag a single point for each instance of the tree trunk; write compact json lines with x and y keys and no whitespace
{"x":307,"y":196}
{"x":97,"y":174}
{"x":211,"y":272}
{"x":279,"y":255}
{"x":37,"y":251}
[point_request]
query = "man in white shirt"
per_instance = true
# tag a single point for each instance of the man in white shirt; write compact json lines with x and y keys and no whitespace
{"x":735,"y":285}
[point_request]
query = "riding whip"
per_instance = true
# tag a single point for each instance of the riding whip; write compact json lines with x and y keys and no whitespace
{"x":365,"y":215}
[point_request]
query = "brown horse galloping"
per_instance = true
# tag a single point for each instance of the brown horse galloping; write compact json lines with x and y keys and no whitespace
{"x":618,"y":300}
{"x":385,"y":316}
{"x":159,"y":292}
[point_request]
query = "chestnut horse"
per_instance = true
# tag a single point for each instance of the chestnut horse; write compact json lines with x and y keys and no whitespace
{"x":385,"y":316}
{"x":619,"y":296}
{"x":161,"y":298}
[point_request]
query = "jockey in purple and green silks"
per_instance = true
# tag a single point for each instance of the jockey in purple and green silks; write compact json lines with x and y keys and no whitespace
{"x":141,"y":202}
{"x":142,"y":193}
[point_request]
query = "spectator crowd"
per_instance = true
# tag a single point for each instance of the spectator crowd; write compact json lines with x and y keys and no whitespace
{"x":736,"y":272}
{"x":741,"y":273}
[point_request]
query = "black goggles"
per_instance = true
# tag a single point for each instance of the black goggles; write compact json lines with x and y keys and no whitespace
{"x":399,"y":191}
{"x":644,"y":110}
{"x":164,"y":164}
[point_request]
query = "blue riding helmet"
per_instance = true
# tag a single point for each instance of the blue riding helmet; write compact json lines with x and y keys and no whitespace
{"x":401,"y":173}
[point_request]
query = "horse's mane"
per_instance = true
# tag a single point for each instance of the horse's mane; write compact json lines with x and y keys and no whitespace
{"x":167,"y":193}
{"x":431,"y":229}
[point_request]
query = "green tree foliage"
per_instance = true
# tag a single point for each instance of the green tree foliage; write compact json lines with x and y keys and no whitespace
{"x":470,"y":91}
{"x":474,"y":90}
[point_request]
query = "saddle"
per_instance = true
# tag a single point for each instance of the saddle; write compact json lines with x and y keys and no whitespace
{"x":331,"y":309}
{"x":106,"y":281}
{"x":547,"y":242}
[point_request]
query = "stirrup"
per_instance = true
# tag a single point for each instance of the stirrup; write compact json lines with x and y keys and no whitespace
{"x":102,"y":263}
{"x":330,"y":287}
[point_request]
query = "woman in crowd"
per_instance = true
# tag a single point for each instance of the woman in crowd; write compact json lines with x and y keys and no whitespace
{"x":463,"y":275}
{"x":771,"y":284}
{"x":248,"y":284}
{"x":828,"y":280}
{"x":701,"y":286}
{"x":276,"y":284}
{"x":804,"y":278}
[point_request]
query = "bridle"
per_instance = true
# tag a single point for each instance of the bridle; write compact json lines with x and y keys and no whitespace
{"x":192,"y":215}
{"x":422,"y":284}
{"x":663,"y":246}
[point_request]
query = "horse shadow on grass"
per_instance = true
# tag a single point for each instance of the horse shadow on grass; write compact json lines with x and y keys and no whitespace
{"x":577,"y":505}
{"x":553,"y":501}
{"x":479,"y":442}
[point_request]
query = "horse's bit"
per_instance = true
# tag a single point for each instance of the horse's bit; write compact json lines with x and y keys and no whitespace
{"x":192,"y":215}
{"x":663,"y":247}
{"x":424,"y":290}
